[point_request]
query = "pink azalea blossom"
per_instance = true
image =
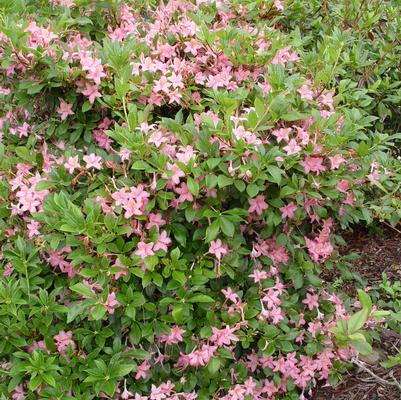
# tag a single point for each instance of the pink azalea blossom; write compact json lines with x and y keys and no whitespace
{"x":336,"y":161}
{"x":218,"y":249}
{"x":174,"y":337}
{"x":63,"y":340}
{"x":92,"y":92}
{"x":292,"y":147}
{"x":311,"y":300}
{"x":111,"y":303}
{"x":143,"y":370}
{"x":64,"y":109}
{"x":144,"y":250}
{"x":93,"y":161}
{"x":305,"y":92}
{"x":313,"y":164}
{"x":163,"y":242}
{"x":225,"y":336}
{"x":258,"y":275}
{"x":289,"y":210}
{"x":71,"y":164}
{"x":258,"y":205}
{"x":18,"y":393}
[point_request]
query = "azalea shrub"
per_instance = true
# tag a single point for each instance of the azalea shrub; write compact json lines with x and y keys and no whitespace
{"x":174,"y":180}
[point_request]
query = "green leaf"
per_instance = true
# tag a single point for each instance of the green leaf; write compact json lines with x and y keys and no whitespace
{"x":98,"y":312}
{"x":108,"y":387}
{"x":213,"y":366}
{"x":141,"y":165}
{"x":35,"y":382}
{"x":82,"y":289}
{"x":362,"y":346}
{"x":227,"y":226}
{"x":240,"y":185}
{"x":74,"y":310}
{"x":86,"y":106}
{"x":365,"y":300}
{"x":138,"y":299}
{"x":252,"y":190}
{"x":293,"y":116}
{"x":212,"y":231}
{"x":49,"y":379}
{"x":179,"y":277}
{"x":178,"y":312}
{"x":123,"y":369}
{"x":224,"y":181}
{"x":201,"y":298}
{"x":275,"y":173}
{"x":357,"y":321}
{"x":193,"y":186}
{"x":211,"y":181}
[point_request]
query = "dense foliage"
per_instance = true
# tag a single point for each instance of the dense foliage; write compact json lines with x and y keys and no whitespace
{"x":174,"y":179}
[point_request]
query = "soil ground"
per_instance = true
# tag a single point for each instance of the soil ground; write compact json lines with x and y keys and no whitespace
{"x":379,"y":252}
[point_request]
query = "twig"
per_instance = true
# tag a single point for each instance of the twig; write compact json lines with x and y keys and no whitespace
{"x":392,"y":227}
{"x":361,"y":365}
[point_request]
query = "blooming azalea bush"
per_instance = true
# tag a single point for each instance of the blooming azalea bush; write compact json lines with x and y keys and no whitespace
{"x":173,"y":183}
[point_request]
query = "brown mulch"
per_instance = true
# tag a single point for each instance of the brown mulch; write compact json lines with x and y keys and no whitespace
{"x":379,"y":253}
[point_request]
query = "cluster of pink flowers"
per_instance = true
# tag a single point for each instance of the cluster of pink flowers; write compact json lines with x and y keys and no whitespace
{"x":164,"y":391}
{"x":24,"y":185}
{"x":320,"y":248}
{"x":39,"y":36}
{"x":197,"y":358}
{"x":270,"y":248}
{"x":57,"y":259}
{"x":133,"y":201}
{"x":63,"y":341}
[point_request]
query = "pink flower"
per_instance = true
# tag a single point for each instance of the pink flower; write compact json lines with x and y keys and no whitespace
{"x":305,"y":93}
{"x":192,"y":47}
{"x":93,"y":161}
{"x":289,"y":210}
{"x":18,"y":393}
{"x":111,"y":303}
{"x":63,"y":340}
{"x":175,"y":173}
{"x":91,"y":91}
{"x":162,"y":85}
{"x":313,"y":164}
{"x":163,"y":242}
{"x":258,"y":205}
{"x":33,"y":227}
{"x":134,"y":202}
{"x":143,"y":370}
{"x":336,"y":161}
{"x":223,"y":336}
{"x":218,"y":249}
{"x":319,"y":249}
{"x":8,"y":269}
{"x":311,"y":300}
{"x":269,"y":388}
{"x":343,"y":186}
{"x":230,"y":295}
{"x":174,"y":337}
{"x":156,"y":220}
{"x":65,"y":109}
{"x":292,"y":147}
{"x":258,"y":275}
{"x":144,"y":250}
{"x":71,"y":164}
{"x":125,"y":154}
{"x":126,"y":394}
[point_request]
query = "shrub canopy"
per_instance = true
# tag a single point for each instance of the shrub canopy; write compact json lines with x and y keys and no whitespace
{"x":173,"y":178}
